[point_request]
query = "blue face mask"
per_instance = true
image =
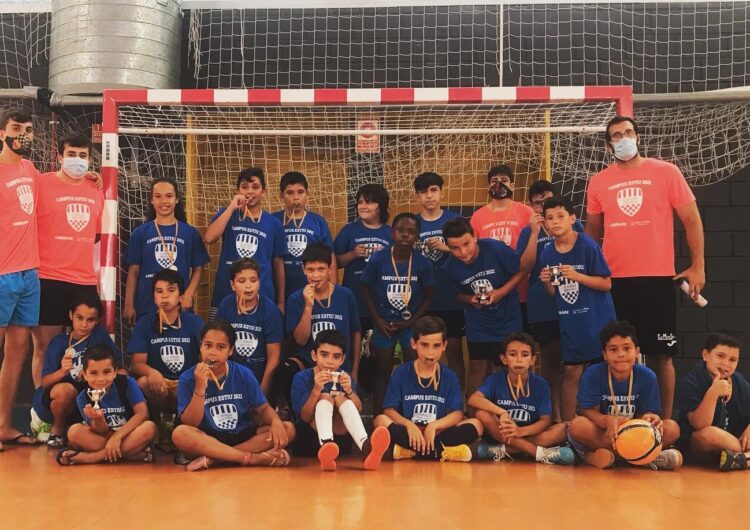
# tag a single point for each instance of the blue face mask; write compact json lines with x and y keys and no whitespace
{"x":625,"y":149}
{"x":75,"y":167}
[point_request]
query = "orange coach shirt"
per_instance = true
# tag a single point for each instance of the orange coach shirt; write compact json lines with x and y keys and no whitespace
{"x":69,"y":219}
{"x":638,"y":219}
{"x":504,"y":226}
{"x":18,"y":223}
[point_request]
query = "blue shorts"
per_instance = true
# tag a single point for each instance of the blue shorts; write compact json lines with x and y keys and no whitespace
{"x":19,"y":292}
{"x":381,"y":341}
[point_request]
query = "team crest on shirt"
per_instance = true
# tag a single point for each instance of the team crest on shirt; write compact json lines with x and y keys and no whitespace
{"x":398,"y":295}
{"x":162,"y":252}
{"x":26,"y":198}
{"x":424,"y":413}
{"x":630,"y":200}
{"x":321,"y":325}
{"x":115,"y":421}
{"x":502,"y":233}
{"x":371,"y":249}
{"x":296,"y":243}
{"x":519,"y":415}
{"x":569,"y":290}
{"x":173,"y":357}
{"x":626,"y":411}
{"x":77,"y":365}
{"x":247,"y":245}
{"x":246,"y":344}
{"x":481,"y":286}
{"x":225,"y":416}
{"x":78,"y":215}
{"x":434,"y":254}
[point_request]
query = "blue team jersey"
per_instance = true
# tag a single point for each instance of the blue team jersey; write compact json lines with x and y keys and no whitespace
{"x":243,"y":238}
{"x":353,"y":234}
{"x":57,"y":346}
{"x":255,"y":330}
{"x":525,"y":410}
{"x":422,"y":405}
{"x":342,"y":316}
{"x":582,"y":311}
{"x":390,"y":291}
{"x":172,"y":351}
{"x":445,"y":296}
{"x":593,"y":391}
{"x":302,"y":386}
{"x":494,"y":266}
{"x":152,"y":253}
{"x":312,"y":229}
{"x":540,"y":307}
{"x":112,"y":404}
{"x":227,"y":410}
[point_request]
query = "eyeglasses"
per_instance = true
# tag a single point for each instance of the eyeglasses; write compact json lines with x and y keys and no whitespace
{"x":627,"y":133}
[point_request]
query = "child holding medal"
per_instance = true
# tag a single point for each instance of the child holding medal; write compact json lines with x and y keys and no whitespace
{"x":398,"y":285}
{"x":166,"y":241}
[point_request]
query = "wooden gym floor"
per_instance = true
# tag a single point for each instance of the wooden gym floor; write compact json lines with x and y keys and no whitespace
{"x":37,"y":493}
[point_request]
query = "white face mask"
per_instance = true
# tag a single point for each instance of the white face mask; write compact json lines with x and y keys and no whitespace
{"x":625,"y":149}
{"x":75,"y":167}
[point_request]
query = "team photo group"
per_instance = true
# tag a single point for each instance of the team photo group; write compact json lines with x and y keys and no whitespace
{"x":568,"y":324}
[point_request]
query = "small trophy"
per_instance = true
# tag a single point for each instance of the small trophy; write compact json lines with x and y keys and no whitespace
{"x":484,"y":294}
{"x":334,"y":387}
{"x":555,"y":271}
{"x":96,"y":396}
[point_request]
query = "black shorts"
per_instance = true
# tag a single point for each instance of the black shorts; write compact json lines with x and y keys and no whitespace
{"x":650,"y":304}
{"x":454,"y":320}
{"x":544,"y":332}
{"x":586,"y":362}
{"x":55,"y":300}
{"x":525,"y":317}
{"x":485,"y":351}
{"x":306,"y":441}
{"x":236,"y":438}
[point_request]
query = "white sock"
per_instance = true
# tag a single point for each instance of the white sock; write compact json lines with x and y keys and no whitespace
{"x":539,"y":453}
{"x":353,"y":422}
{"x":324,"y":420}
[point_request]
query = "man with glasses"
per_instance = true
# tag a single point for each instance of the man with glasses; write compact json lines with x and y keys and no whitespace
{"x":630,"y":204}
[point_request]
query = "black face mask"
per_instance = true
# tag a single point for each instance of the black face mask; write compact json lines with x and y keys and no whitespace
{"x":500,"y":191}
{"x":20,"y":145}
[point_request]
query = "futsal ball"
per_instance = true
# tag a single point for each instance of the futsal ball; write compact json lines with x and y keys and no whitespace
{"x":638,"y":442}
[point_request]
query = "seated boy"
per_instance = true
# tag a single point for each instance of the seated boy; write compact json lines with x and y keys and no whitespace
{"x":515,"y":408}
{"x":257,"y":322}
{"x":613,"y":392}
{"x":423,"y":403}
{"x":55,"y":400}
{"x":325,"y":401}
{"x":116,"y":425}
{"x":714,"y":403}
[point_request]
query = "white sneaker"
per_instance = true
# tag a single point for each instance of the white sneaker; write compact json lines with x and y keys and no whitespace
{"x":492,"y":452}
{"x":39,"y":428}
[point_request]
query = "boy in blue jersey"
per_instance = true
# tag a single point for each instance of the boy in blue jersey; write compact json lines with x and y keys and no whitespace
{"x":357,"y":241}
{"x":224,"y":416}
{"x":164,"y":344}
{"x":320,"y":305}
{"x":114,"y":427}
{"x":613,"y":392}
{"x":302,"y":228}
{"x":325,"y":401}
{"x":515,"y":407}
{"x":54,"y":401}
{"x":423,"y":404}
{"x":248,"y":231}
{"x":398,"y":288}
{"x":714,"y":404}
{"x":257,"y":322}
{"x":486,"y":272}
{"x":581,"y":290}
{"x":432,"y":217}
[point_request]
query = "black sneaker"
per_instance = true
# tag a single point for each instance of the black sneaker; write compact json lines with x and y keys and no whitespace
{"x":55,"y":441}
{"x":731,"y":461}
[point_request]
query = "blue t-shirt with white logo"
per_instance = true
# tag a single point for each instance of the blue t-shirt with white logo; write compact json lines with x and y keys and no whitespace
{"x":351,"y":235}
{"x":244,"y":238}
{"x":312,"y":229}
{"x":227,"y":410}
{"x":171,"y":351}
{"x":422,"y":405}
{"x":112,"y":404}
{"x":494,"y":266}
{"x":342,"y":315}
{"x":390,"y":291}
{"x":540,"y":306}
{"x":593,"y":391}
{"x":152,"y":253}
{"x":525,"y":410}
{"x":302,"y":387}
{"x":57,"y":346}
{"x":445,"y":296}
{"x":583,"y":311}
{"x":255,"y":330}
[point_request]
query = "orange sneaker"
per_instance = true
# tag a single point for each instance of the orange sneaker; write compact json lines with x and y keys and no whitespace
{"x":327,"y":455}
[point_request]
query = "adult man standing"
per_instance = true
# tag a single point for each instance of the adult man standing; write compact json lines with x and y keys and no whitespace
{"x":631,"y":204}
